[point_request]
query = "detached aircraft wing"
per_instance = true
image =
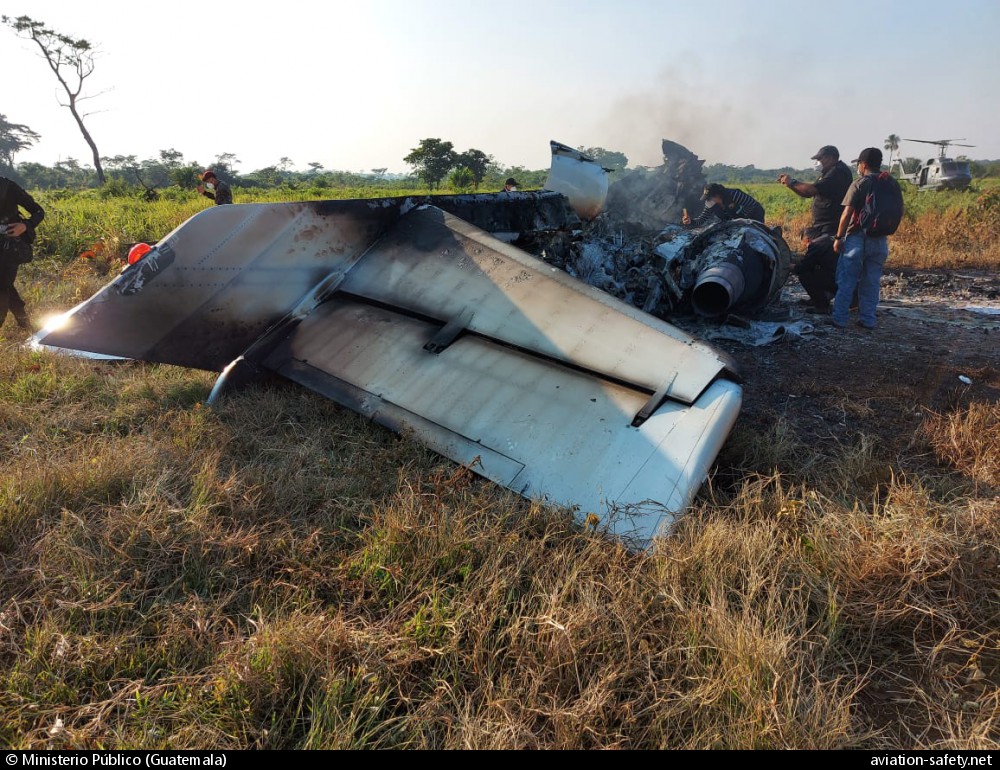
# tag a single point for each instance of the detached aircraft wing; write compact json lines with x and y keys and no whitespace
{"x":405,"y":311}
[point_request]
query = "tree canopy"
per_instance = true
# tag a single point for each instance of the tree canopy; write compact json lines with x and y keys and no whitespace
{"x":71,"y":61}
{"x":609,"y":159}
{"x":432,"y":159}
{"x":14,"y":137}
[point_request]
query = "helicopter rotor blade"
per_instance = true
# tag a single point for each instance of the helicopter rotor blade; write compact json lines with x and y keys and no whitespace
{"x":941,"y":142}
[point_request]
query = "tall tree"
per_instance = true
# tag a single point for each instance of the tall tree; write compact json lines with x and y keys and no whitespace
{"x":891,"y":144}
{"x":478,"y":163}
{"x":71,"y":61}
{"x":432,"y":159}
{"x":14,"y":137}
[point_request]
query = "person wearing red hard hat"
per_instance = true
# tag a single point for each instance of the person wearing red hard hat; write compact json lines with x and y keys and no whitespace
{"x":215,"y":188}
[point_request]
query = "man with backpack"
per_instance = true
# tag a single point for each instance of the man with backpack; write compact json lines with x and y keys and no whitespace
{"x":16,"y":236}
{"x":873,"y":209}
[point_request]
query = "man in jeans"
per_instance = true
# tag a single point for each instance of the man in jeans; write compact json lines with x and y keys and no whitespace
{"x":861,"y":255}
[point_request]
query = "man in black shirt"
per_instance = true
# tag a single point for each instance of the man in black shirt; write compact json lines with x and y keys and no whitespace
{"x":16,"y":236}
{"x":818,"y":268}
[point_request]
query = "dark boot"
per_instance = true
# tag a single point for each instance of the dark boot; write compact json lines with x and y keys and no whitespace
{"x":25,"y":322}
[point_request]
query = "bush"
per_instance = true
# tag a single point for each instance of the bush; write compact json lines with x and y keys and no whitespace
{"x":116,"y":188}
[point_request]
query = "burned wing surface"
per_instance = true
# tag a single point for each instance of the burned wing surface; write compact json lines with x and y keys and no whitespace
{"x":217,"y":283}
{"x":425,"y":322}
{"x":213,"y":286}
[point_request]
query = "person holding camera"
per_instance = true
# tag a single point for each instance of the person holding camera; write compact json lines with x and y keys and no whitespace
{"x":817,"y":269}
{"x":215,"y":188}
{"x":16,"y":236}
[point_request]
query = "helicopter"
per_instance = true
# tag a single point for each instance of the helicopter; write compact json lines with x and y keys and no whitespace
{"x":939,"y":173}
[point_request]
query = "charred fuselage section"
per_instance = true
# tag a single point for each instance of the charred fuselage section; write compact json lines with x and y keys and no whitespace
{"x":737,"y":266}
{"x":634,"y":251}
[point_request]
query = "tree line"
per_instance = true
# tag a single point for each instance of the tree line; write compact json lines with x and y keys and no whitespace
{"x":169,"y":169}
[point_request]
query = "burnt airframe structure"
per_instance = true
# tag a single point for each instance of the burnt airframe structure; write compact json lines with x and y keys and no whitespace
{"x":408,"y":311}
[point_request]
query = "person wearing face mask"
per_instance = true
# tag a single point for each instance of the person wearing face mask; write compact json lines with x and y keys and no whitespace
{"x":817,"y":269}
{"x":724,"y":203}
{"x":215,"y":189}
{"x":510,"y":185}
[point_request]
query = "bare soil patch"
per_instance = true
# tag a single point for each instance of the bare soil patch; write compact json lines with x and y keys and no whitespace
{"x":834,"y":384}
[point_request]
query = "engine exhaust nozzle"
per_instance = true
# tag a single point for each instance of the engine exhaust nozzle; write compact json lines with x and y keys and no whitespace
{"x":717,"y":289}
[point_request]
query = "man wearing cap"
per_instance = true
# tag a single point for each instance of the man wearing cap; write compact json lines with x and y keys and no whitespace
{"x":861,"y":255}
{"x":510,"y":185}
{"x":817,"y":269}
{"x":215,"y":189}
{"x":722,"y":203}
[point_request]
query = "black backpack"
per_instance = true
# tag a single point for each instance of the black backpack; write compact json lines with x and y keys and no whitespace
{"x":883,"y":209}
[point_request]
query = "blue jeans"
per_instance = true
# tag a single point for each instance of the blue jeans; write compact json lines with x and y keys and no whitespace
{"x":859,"y":266}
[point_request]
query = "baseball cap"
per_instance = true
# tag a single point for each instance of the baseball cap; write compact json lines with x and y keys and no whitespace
{"x":870,"y":156}
{"x":827,"y":149}
{"x":712,"y":190}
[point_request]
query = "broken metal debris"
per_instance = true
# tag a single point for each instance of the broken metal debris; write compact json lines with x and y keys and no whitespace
{"x":579,"y":178}
{"x":403,"y":310}
{"x":645,"y":200}
{"x":636,"y":252}
{"x":756,"y":333}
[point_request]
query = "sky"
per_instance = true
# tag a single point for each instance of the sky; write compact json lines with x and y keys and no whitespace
{"x":355,"y":85}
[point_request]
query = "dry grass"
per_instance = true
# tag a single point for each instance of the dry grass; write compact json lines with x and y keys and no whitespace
{"x":279,"y":573}
{"x":941,"y":230}
{"x":968,"y":440}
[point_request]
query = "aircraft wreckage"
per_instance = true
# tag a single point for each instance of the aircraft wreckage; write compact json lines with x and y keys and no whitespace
{"x":417,"y":313}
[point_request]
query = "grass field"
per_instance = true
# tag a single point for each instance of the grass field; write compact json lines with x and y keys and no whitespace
{"x":279,"y":573}
{"x":940,"y":230}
